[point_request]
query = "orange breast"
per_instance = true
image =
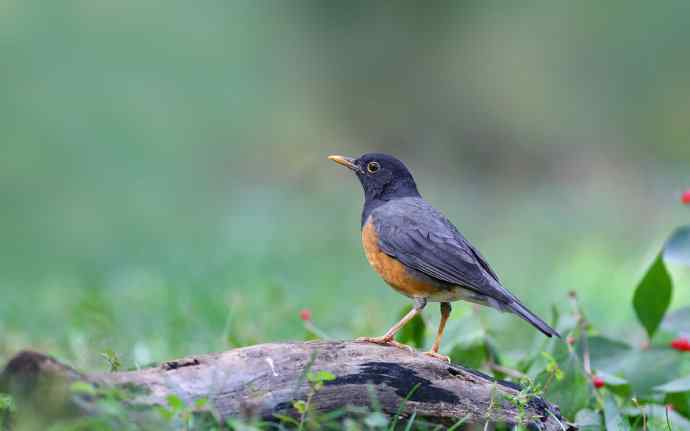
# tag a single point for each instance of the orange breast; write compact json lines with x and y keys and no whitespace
{"x":390,"y":269}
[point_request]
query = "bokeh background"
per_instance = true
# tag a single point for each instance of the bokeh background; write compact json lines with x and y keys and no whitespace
{"x":164,"y":186}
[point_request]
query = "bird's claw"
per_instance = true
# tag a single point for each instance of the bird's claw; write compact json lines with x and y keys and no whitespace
{"x":438,"y":356}
{"x":384,"y":341}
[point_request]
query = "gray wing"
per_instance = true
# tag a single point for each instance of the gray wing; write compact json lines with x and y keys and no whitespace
{"x":413,"y":232}
{"x":420,"y":237}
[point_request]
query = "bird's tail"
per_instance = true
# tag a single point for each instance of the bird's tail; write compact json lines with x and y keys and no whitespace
{"x":522,"y":311}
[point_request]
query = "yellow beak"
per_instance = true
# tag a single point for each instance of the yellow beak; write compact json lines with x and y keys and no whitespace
{"x":348,"y":162}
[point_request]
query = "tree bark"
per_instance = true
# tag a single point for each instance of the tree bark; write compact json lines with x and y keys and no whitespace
{"x":265,"y":379}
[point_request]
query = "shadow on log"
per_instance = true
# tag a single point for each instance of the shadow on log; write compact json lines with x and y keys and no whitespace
{"x":262,"y":380}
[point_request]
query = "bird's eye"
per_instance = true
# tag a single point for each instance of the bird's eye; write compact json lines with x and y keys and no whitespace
{"x":373,"y":167}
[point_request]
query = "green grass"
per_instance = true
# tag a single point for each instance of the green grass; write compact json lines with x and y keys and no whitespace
{"x":197,"y":285}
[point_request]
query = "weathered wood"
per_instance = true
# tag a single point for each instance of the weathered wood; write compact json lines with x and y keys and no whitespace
{"x":265,"y":379}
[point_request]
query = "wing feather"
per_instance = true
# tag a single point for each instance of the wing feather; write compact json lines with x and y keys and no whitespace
{"x":422,"y":238}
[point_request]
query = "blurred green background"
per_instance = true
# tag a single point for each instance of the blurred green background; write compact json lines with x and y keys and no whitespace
{"x":165,"y":188}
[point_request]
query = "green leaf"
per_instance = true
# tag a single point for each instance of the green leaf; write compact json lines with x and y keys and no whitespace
{"x":588,"y":420}
{"x":678,"y":385}
{"x":319,"y":377}
{"x":201,"y":403}
{"x":7,"y":405}
{"x":471,"y":355}
{"x":643,"y":370}
{"x":7,"y":411}
{"x":613,"y":418}
{"x":325,"y":376}
{"x":605,"y":353}
{"x":113,"y":360}
{"x":653,"y":296}
{"x":414,"y":332}
{"x":677,"y":247}
{"x":175,"y":403}
{"x":647,"y":369}
{"x":680,"y":402}
{"x":572,"y":392}
{"x":83,"y":388}
{"x":600,"y":345}
{"x":300,"y":406}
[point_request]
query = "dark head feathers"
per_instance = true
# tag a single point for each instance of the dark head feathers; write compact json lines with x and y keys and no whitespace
{"x":383,"y":177}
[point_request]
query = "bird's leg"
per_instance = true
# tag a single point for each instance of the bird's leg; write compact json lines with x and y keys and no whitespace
{"x":387,"y":338}
{"x":445,"y":312}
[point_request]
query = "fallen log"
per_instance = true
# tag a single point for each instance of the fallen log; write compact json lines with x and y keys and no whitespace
{"x":265,"y":380}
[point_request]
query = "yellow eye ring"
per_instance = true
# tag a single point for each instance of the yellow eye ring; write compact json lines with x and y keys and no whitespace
{"x":373,"y":167}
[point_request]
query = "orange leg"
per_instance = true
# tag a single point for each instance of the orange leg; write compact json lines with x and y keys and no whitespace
{"x":445,"y":312}
{"x":387,"y":338}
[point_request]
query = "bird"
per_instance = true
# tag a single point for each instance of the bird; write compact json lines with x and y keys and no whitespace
{"x":420,"y":253}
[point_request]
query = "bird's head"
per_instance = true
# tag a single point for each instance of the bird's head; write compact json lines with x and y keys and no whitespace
{"x":383,"y":177}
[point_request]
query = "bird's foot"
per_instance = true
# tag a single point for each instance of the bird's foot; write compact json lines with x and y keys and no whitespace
{"x":438,"y":356}
{"x":385,"y":341}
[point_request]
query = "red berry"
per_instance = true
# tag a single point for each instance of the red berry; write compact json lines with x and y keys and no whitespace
{"x":681,"y":344}
{"x":685,"y":197}
{"x":598,"y":382}
{"x":305,"y":314}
